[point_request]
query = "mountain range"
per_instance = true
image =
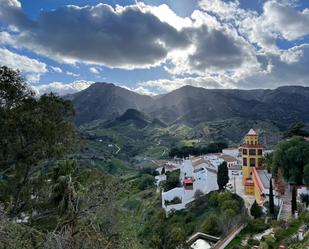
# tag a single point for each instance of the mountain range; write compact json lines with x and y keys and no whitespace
{"x":193,"y":105}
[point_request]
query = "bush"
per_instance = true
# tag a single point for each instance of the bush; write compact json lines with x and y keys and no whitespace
{"x":172,"y":180}
{"x":256,"y":210}
{"x":253,"y":242}
{"x":258,"y":225}
{"x":223,"y":196}
{"x":145,"y":182}
{"x":211,"y":226}
{"x":263,"y":245}
{"x":176,"y":200}
{"x":269,"y":240}
{"x":230,"y":213}
{"x":305,"y":217}
{"x":229,"y":204}
{"x":213,"y":199}
{"x":279,"y":232}
{"x":149,"y":171}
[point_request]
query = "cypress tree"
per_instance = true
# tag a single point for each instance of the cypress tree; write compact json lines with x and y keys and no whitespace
{"x":294,"y":204}
{"x":271,"y":198}
{"x":256,"y":210}
{"x":223,"y":175}
{"x":163,"y":170}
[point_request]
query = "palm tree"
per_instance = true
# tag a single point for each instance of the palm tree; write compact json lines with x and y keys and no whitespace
{"x":64,"y":187}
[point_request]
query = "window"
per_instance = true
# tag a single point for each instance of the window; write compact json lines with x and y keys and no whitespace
{"x":244,"y":151}
{"x":252,"y":162}
{"x":260,"y":152}
{"x":244,"y":160}
{"x":252,"y":152}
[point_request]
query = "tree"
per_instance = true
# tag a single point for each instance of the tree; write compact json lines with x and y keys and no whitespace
{"x":145,"y":182}
{"x":305,"y":199}
{"x":279,"y":182}
{"x":163,"y":170}
{"x":13,"y":89}
{"x":297,"y":129}
{"x":65,"y":186}
{"x":172,"y":180}
{"x":32,"y":132}
{"x":256,"y":210}
{"x":306,"y":174}
{"x":82,"y":197}
{"x":291,"y":156}
{"x":211,"y":225}
{"x":223,"y":175}
{"x":271,"y":198}
{"x":294,"y":203}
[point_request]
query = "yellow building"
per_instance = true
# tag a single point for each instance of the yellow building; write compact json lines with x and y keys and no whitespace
{"x":252,"y":153}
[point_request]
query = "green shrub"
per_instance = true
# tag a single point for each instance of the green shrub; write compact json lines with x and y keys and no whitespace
{"x":258,"y":225}
{"x":176,"y":200}
{"x":279,"y":233}
{"x":253,"y":242}
{"x":213,"y":199}
{"x":256,"y":210}
{"x":211,"y":226}
{"x":269,"y":240}
{"x":172,"y":180}
{"x":229,"y":204}
{"x":145,"y":182}
{"x":263,"y":245}
{"x":305,"y":217}
{"x":230,"y":213}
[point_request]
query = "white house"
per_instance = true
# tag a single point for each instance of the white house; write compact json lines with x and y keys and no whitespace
{"x":202,"y":176}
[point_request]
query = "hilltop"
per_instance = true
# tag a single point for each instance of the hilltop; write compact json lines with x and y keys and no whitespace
{"x":192,"y":105}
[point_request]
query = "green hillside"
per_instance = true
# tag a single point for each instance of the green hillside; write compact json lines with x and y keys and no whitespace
{"x":135,"y":138}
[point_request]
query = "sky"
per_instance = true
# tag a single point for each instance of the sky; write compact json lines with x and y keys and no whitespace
{"x":156,"y":46}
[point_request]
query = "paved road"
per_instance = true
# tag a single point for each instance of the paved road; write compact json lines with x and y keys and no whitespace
{"x":240,"y":190}
{"x":118,"y":149}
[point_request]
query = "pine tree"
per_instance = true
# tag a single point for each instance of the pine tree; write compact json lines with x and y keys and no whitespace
{"x":223,"y":175}
{"x":271,"y":198}
{"x":294,"y":204}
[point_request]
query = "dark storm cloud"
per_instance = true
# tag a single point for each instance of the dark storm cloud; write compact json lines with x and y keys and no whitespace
{"x":216,"y":50}
{"x":99,"y":34}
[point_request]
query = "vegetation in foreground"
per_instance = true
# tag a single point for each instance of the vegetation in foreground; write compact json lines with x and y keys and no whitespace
{"x":49,"y":200}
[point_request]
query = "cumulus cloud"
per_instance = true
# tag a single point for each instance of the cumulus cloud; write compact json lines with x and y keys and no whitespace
{"x":275,"y":73}
{"x":56,"y":69}
{"x":94,"y":70}
{"x":62,"y":88}
{"x":167,"y":85}
{"x":30,"y":67}
{"x":290,"y":23}
{"x":124,"y":37}
{"x":220,"y":45}
{"x":214,"y":50}
{"x":281,"y":72}
{"x":72,"y":74}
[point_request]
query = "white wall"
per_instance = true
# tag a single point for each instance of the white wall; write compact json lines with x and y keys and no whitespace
{"x":231,"y":152}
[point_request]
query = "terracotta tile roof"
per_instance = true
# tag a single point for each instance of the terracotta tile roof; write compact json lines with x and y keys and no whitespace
{"x":188,"y":180}
{"x":228,"y":158}
{"x":170,"y":167}
{"x":198,"y":162}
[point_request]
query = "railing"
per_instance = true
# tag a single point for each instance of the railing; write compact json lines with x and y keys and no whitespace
{"x":221,"y":244}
